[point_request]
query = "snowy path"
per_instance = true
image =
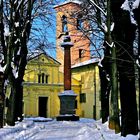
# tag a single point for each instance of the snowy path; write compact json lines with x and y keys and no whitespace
{"x":85,"y":129}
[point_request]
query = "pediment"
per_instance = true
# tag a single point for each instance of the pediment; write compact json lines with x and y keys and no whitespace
{"x":43,"y":59}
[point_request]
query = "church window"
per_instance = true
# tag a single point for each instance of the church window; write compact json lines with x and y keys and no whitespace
{"x":42,"y":78}
{"x":39,"y":78}
{"x":82,"y":97}
{"x":81,"y":51}
{"x":47,"y":78}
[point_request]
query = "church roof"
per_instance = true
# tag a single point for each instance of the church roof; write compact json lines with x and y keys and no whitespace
{"x":68,"y":1}
{"x":85,"y":63}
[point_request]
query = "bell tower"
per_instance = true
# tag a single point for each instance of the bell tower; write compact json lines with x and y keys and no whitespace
{"x":66,"y":22}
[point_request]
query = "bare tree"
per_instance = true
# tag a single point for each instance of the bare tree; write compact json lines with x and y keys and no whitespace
{"x":16,"y":19}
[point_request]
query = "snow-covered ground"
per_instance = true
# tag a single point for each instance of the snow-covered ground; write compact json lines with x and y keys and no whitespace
{"x":47,"y":129}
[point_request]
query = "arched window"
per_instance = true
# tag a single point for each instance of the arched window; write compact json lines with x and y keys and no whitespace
{"x":64,"y":24}
{"x":39,"y":78}
{"x":42,"y":78}
{"x":81,"y":53}
{"x":47,"y":76}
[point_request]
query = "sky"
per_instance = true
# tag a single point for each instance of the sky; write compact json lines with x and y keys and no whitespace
{"x":44,"y":32}
{"x":48,"y":129}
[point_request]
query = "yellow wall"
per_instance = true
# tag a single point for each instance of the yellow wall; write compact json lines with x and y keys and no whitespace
{"x":32,"y":93}
{"x":89,"y":77}
{"x":33,"y":90}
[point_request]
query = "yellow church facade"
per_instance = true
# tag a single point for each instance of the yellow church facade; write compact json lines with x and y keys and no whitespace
{"x":42,"y":84}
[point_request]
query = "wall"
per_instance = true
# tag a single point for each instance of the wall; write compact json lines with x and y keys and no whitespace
{"x":90,"y":84}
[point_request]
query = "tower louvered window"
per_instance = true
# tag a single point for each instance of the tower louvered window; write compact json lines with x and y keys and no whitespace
{"x":64,"y":24}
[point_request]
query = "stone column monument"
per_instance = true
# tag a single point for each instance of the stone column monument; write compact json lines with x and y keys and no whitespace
{"x":67,"y":97}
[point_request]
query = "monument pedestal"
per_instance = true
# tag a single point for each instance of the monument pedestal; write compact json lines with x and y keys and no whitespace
{"x":67,"y":118}
{"x":67,"y":106}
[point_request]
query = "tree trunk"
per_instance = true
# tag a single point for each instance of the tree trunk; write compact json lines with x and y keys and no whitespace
{"x":2,"y":63}
{"x":127,"y":79}
{"x":104,"y":73}
{"x":109,"y":71}
{"x":105,"y":90}
{"x":11,"y":111}
{"x":124,"y":34}
{"x":19,"y":102}
{"x":15,"y":51}
{"x":137,"y":18}
{"x":128,"y":106}
{"x":114,"y":122}
{"x":105,"y":83}
{"x":2,"y":99}
{"x":15,"y":108}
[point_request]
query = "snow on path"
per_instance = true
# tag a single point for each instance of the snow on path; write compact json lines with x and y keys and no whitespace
{"x":85,"y":129}
{"x":21,"y":131}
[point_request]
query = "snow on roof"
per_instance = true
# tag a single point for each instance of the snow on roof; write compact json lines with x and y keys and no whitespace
{"x":33,"y":54}
{"x":68,"y":1}
{"x":91,"y":61}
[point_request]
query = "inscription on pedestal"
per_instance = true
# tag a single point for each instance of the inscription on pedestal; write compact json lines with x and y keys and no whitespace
{"x":67,"y":104}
